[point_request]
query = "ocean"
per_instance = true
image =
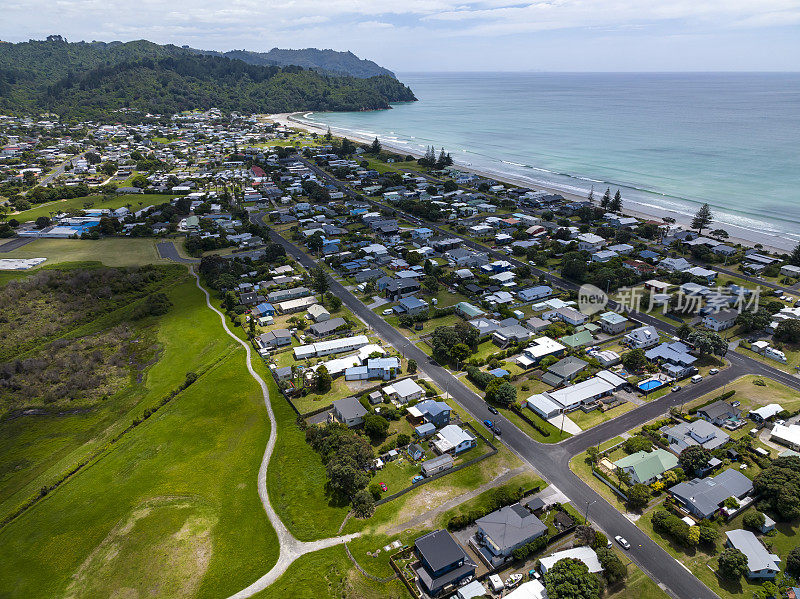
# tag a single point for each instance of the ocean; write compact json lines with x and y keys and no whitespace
{"x":669,"y":142}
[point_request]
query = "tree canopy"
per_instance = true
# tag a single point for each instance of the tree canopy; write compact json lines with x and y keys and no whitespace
{"x":702,"y":218}
{"x":571,"y":579}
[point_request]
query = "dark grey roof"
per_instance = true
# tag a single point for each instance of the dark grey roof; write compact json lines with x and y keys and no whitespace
{"x":326,"y":327}
{"x":568,"y":366}
{"x":719,"y":409}
{"x":511,"y":525}
{"x":438,"y":549}
{"x":349,"y":407}
{"x":705,"y":495}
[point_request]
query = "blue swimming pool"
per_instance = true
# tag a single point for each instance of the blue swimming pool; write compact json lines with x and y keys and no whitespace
{"x":650,"y":385}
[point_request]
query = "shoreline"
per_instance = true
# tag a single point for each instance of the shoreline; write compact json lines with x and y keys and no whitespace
{"x":737,"y":235}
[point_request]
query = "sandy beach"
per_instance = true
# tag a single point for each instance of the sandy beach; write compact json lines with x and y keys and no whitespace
{"x":746,"y":237}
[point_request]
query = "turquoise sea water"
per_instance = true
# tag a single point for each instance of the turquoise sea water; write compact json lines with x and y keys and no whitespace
{"x":670,"y":141}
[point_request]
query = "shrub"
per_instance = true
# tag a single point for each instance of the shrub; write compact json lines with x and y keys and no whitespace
{"x":732,"y":564}
{"x":753,"y":520}
{"x":363,"y":504}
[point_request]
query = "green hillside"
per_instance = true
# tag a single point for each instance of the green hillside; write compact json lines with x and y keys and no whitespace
{"x":90,"y":80}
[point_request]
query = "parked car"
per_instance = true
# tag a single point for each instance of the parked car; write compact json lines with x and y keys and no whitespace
{"x":676,"y":388}
{"x":496,"y":430}
{"x":488,"y":423}
{"x":387,"y":312}
{"x":780,"y":422}
{"x":417,"y":478}
{"x":492,"y":409}
{"x":697,"y":378}
{"x":383,"y":486}
{"x":622,"y":542}
{"x":714,"y":371}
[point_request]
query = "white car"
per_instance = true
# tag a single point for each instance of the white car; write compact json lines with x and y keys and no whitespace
{"x":622,"y":542}
{"x":714,"y":371}
{"x":387,"y":312}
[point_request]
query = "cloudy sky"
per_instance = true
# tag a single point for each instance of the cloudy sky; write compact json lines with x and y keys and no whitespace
{"x":448,"y":35}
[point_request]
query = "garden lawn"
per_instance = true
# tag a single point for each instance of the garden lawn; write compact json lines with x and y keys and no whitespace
{"x":172,"y":509}
{"x":584,"y":471}
{"x":637,"y":586}
{"x":111,"y":251}
{"x":752,"y":396}
{"x":136,"y":201}
{"x":587,"y":420}
{"x":703,"y":564}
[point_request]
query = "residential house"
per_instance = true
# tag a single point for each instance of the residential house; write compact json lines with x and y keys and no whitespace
{"x":326,"y":348}
{"x":538,"y":350}
{"x":674,"y":359}
{"x":603,"y":256}
{"x":719,"y":413}
{"x":613,"y":323}
{"x":590,"y":242}
{"x":282,"y":295}
{"x":349,"y":411}
{"x":719,"y":321}
{"x":507,"y":529}
{"x":699,"y":432}
{"x":296,"y":305}
{"x":404,"y":391}
{"x":453,"y":439}
{"x":467,"y":311}
{"x":788,"y":435}
{"x":326,"y":327}
{"x":437,"y":464}
{"x":647,"y":467}
{"x":675,"y":264}
{"x":512,"y":334}
{"x":702,"y":497}
{"x":411,"y":306}
{"x":318,"y":314}
{"x":443,"y":563}
{"x":568,"y":315}
{"x":573,"y":397}
{"x":435,"y":412}
{"x":642,"y":337}
{"x":761,"y":564}
{"x":765,"y":413}
{"x":531,"y":294}
{"x":274,"y":338}
{"x":564,"y":371}
{"x":585,"y":554}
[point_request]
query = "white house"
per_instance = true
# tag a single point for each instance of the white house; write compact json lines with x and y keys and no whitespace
{"x":404,"y":391}
{"x":642,"y":337}
{"x":453,"y":439}
{"x":720,"y":321}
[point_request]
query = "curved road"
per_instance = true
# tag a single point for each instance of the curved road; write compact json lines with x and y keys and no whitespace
{"x":552,"y":461}
{"x":289,"y":547}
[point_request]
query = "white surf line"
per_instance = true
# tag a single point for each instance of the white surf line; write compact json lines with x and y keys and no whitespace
{"x":289,"y":548}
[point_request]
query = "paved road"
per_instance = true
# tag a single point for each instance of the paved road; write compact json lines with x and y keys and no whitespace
{"x":167,"y":249}
{"x":289,"y":547}
{"x":552,"y":461}
{"x":15,"y":243}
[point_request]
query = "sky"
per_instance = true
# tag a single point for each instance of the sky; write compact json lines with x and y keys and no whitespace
{"x":448,"y":35}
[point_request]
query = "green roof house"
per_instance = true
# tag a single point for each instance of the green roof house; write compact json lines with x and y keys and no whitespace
{"x":577,"y":340}
{"x":468,"y":311}
{"x":647,"y":467}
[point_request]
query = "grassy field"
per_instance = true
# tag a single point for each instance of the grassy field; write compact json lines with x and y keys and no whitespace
{"x":135,"y":201}
{"x":752,"y":396}
{"x":792,"y":352}
{"x":329,"y":573}
{"x":34,"y":450}
{"x":579,"y":466}
{"x":171,"y":510}
{"x":112,"y":251}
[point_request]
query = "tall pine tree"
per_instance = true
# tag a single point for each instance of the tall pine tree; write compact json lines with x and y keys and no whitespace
{"x":702,"y":219}
{"x":606,"y":198}
{"x":615,"y":205}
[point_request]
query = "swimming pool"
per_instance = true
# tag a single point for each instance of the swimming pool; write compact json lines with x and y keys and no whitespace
{"x":650,"y":385}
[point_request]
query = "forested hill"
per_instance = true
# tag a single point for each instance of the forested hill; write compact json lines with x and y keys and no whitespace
{"x":92,"y":80}
{"x":327,"y":61}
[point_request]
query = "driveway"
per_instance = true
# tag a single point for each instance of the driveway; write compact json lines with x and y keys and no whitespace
{"x":167,"y":249}
{"x":566,"y":422}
